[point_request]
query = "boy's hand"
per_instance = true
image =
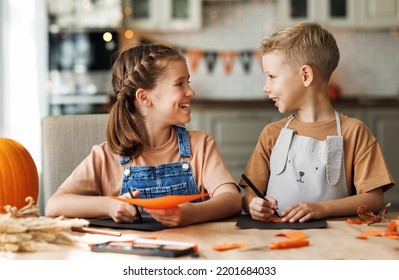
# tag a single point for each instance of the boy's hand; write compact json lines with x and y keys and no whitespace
{"x":301,"y":212}
{"x":262,"y":209}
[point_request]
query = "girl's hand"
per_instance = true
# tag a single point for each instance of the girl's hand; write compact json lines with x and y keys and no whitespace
{"x":262,"y":209}
{"x":123,"y":212}
{"x":171,"y":217}
{"x":302,"y":212}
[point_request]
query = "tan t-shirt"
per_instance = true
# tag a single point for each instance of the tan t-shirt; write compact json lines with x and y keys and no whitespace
{"x":101,"y":172}
{"x":365,"y":166}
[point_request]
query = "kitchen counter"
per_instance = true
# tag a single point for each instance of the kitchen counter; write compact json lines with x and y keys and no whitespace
{"x":267,"y":103}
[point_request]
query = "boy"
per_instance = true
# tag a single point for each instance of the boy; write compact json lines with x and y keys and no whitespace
{"x":317,"y":163}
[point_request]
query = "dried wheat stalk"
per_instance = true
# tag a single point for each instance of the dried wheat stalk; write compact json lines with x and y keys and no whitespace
{"x":24,"y":230}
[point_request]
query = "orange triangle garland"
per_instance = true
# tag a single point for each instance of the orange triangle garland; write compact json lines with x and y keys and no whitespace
{"x":228,"y":58}
{"x":195,"y":57}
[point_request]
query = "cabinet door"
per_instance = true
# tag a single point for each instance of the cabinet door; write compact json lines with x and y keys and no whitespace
{"x":379,"y":14}
{"x":182,"y":15}
{"x":141,"y":14}
{"x":384,"y":123}
{"x":338,"y":13}
{"x":165,"y":15}
{"x":84,"y":14}
{"x":294,"y":11}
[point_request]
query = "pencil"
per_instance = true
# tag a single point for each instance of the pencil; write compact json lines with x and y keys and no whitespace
{"x":135,"y":206}
{"x":256,"y":191}
{"x":96,"y":231}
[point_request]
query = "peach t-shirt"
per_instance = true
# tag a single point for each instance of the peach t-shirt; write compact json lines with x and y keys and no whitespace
{"x":100,"y":173}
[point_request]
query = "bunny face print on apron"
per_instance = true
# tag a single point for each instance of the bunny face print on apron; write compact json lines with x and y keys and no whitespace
{"x":304,"y":169}
{"x":175,"y":178}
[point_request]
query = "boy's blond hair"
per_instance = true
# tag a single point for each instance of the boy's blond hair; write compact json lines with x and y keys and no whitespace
{"x":304,"y":43}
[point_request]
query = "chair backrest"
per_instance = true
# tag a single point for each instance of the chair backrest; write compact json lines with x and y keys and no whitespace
{"x":66,"y":141}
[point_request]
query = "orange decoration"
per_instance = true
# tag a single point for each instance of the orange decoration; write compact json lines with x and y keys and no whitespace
{"x":289,"y":244}
{"x":293,"y":235}
{"x":18,"y":174}
{"x":227,"y":246}
{"x":164,"y":202}
{"x":258,"y":56}
{"x":195,"y":57}
{"x":228,"y":58}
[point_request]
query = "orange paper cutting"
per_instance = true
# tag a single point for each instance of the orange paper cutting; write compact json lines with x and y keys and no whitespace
{"x":368,"y":233}
{"x":293,"y":235}
{"x":227,"y":246}
{"x":164,"y":202}
{"x":273,"y":219}
{"x":391,"y":228}
{"x":289,"y":244}
{"x":356,"y":221}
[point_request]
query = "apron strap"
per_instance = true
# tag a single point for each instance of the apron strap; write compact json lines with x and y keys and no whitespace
{"x":335,"y":158}
{"x":289,"y":121}
{"x":280,"y":150}
{"x":335,"y":154}
{"x":338,"y":121}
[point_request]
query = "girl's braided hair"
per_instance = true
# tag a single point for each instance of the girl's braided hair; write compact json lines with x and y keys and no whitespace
{"x":137,"y":67}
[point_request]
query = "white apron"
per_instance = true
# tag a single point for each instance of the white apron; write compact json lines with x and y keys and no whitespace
{"x":304,"y":169}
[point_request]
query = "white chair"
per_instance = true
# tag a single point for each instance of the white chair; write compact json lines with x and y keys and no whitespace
{"x":66,"y":141}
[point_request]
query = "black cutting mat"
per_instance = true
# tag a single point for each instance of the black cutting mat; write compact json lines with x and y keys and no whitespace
{"x":149,"y":224}
{"x":246,"y":222}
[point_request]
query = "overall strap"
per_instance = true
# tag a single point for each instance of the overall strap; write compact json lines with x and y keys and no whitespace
{"x":124,"y":160}
{"x":184,"y":141}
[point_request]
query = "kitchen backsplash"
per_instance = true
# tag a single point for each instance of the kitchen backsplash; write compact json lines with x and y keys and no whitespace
{"x":369,"y":64}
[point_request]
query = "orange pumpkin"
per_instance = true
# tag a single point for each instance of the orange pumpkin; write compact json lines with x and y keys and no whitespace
{"x":18,"y":174}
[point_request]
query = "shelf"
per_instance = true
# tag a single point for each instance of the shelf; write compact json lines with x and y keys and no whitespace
{"x":78,"y":99}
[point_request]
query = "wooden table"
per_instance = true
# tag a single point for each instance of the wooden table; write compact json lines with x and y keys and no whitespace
{"x":335,"y":242}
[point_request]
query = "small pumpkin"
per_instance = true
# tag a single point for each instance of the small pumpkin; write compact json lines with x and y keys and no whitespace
{"x":18,"y":174}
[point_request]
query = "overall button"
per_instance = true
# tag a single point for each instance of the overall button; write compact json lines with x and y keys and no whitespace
{"x":185,"y":166}
{"x":126,"y":172}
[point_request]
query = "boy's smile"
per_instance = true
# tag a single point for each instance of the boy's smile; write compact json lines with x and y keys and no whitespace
{"x":283,"y":85}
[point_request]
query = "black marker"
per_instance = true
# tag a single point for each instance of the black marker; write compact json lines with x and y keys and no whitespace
{"x":256,"y":191}
{"x":135,"y":206}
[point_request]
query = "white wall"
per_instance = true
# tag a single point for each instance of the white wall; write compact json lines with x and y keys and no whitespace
{"x":24,"y":53}
{"x":369,"y":62}
{"x":2,"y":16}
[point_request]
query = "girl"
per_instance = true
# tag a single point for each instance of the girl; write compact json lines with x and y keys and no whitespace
{"x":148,"y":151}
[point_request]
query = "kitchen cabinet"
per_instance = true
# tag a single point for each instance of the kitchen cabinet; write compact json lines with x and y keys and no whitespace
{"x":384,"y":123}
{"x":335,"y":13}
{"x":236,"y":130}
{"x":379,"y":13}
{"x":340,"y":13}
{"x":84,"y":14}
{"x":163,"y":16}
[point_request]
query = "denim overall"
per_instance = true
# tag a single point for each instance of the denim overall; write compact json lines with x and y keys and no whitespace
{"x":306,"y":169}
{"x":175,"y":178}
